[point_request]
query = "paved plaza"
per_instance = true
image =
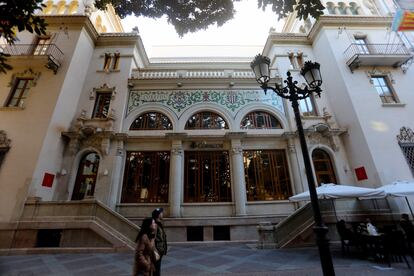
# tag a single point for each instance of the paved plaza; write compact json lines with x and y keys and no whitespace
{"x":201,"y":259}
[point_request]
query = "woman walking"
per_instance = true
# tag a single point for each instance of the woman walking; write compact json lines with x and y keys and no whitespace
{"x":144,"y":258}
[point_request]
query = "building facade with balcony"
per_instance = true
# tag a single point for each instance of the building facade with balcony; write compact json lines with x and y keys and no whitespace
{"x":87,"y":117}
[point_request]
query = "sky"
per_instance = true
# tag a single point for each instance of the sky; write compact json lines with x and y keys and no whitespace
{"x":244,"y":35}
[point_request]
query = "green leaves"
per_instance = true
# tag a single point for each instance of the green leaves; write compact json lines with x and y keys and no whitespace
{"x":303,"y":8}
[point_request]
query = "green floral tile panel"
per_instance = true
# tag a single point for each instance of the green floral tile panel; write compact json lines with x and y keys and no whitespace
{"x":180,"y":100}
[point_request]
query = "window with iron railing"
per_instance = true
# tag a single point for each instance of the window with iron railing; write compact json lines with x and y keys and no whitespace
{"x":267,"y":175}
{"x":102,"y":103}
{"x":146,"y":177}
{"x":19,"y":92}
{"x":41,"y":46}
{"x":406,"y":141}
{"x":207,"y":176}
{"x":361,"y":43}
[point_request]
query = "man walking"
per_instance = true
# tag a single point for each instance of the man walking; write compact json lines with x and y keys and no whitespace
{"x":160,"y":239}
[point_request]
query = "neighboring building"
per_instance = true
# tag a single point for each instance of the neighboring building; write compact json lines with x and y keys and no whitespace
{"x":86,"y":115}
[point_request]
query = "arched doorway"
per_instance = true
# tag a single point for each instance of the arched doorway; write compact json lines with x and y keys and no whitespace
{"x":86,"y":176}
{"x":323,"y":167}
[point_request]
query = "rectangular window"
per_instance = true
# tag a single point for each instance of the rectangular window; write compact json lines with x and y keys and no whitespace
{"x":19,"y":92}
{"x":307,"y":106}
{"x":107,"y":61}
{"x":207,"y":176}
{"x":384,"y":89}
{"x":115,"y":63}
{"x":267,"y":175}
{"x":146,"y":177}
{"x":111,"y":61}
{"x":101,"y":109}
{"x":42,"y":46}
{"x":293,"y":64}
{"x":361,"y":43}
{"x":299,"y":60}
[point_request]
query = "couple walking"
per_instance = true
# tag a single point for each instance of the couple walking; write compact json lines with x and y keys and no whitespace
{"x":151,"y":246}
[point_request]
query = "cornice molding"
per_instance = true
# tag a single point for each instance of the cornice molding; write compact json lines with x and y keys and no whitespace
{"x":323,"y":22}
{"x":348,"y":21}
{"x":79,"y":20}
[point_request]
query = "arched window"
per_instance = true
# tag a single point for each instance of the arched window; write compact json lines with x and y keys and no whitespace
{"x":86,"y":177}
{"x":206,"y":120}
{"x":259,"y":120}
{"x":151,"y":121}
{"x":323,"y":167}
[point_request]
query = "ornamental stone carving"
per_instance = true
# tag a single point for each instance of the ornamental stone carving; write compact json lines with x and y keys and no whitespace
{"x":177,"y":151}
{"x":237,"y":150}
{"x":4,"y":141}
{"x":406,"y":136}
{"x":181,"y":100}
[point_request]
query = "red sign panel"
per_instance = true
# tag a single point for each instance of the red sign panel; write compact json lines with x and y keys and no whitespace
{"x":361,"y":174}
{"x":48,"y":180}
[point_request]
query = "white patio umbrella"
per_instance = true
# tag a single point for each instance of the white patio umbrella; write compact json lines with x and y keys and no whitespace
{"x":334,"y":191}
{"x":399,"y":189}
{"x":337,"y":191}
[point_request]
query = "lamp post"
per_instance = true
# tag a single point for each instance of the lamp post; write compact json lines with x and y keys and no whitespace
{"x":312,"y":75}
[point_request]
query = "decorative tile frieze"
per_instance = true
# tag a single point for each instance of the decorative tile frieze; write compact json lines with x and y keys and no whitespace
{"x":181,"y":100}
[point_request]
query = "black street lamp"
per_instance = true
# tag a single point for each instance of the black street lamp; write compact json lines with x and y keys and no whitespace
{"x":312,"y":75}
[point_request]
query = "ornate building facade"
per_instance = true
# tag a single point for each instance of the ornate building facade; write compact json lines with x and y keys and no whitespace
{"x":87,"y":116}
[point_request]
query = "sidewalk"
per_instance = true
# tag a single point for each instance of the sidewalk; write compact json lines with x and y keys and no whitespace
{"x":201,"y":259}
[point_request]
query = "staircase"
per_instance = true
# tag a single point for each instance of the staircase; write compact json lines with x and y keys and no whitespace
{"x":86,"y":225}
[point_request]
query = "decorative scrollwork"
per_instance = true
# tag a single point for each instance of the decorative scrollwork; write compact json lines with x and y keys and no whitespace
{"x":406,"y":135}
{"x":4,"y":141}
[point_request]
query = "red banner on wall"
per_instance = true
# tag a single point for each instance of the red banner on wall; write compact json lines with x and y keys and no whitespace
{"x":361,"y":174}
{"x":48,"y":180}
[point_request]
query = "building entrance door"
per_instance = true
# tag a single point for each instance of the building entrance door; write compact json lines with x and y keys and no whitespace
{"x":86,"y":176}
{"x":323,"y":167}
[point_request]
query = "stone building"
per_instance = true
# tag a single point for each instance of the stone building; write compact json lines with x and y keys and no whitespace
{"x":94,"y":135}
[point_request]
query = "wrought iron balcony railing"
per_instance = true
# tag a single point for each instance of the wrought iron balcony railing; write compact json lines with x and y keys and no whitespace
{"x":51,"y":51}
{"x":393,"y":55}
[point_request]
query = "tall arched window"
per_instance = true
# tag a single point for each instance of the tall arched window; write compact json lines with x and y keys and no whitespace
{"x":206,"y":120}
{"x":151,"y":121}
{"x":260,"y":120}
{"x":86,"y":177}
{"x":323,"y":167}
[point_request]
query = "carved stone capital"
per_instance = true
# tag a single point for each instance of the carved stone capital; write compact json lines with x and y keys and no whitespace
{"x":237,"y":150}
{"x":177,"y":151}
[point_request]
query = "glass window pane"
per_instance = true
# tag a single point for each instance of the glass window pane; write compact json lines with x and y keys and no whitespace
{"x":260,"y":120}
{"x":267,"y":175}
{"x":206,"y":120}
{"x":151,"y":121}
{"x":146,"y":177}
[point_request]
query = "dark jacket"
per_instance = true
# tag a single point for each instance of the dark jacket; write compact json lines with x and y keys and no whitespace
{"x":161,"y":239}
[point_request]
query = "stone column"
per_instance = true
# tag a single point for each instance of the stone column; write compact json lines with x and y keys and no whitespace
{"x":239,"y":183}
{"x":176,"y":177}
{"x":116,"y":180}
{"x":62,"y":190}
{"x":294,"y":165}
